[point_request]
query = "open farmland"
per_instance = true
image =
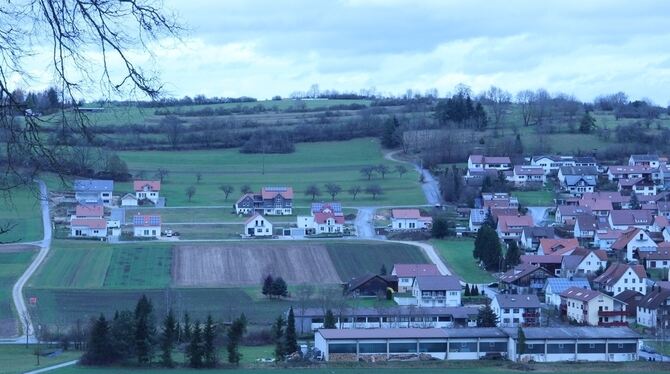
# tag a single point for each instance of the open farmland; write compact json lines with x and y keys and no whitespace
{"x":21,"y":209}
{"x":311,"y":163}
{"x":457,"y":253}
{"x":14,"y":260}
{"x":248,"y":264}
{"x":352,"y":259}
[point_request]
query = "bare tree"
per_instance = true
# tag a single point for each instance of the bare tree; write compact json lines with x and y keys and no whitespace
{"x":525,"y":100}
{"x":72,"y":31}
{"x":198,"y":177}
{"x":174,"y":129}
{"x":303,"y":294}
{"x":382,"y":169}
{"x":162,"y":173}
{"x":540,"y":106}
{"x":400,"y":169}
{"x":354,"y":190}
{"x":333,"y":189}
{"x":368,"y":171}
{"x":190,"y":192}
{"x":245,"y":189}
{"x":374,"y":190}
{"x":499,"y":100}
{"x":227,"y":189}
{"x":312,"y":190}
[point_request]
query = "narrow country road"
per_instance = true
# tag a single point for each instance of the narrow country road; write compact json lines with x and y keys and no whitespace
{"x":430,"y":186}
{"x":45,"y":245}
{"x":54,"y":367}
{"x":364,"y":224}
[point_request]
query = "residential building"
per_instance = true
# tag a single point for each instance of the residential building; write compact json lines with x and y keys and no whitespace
{"x":510,"y":227}
{"x":531,"y":236}
{"x":325,"y":218}
{"x":409,"y":219}
{"x":647,"y":160}
{"x":578,"y":180}
{"x":476,"y":219}
{"x":585,"y":228}
{"x":93,"y":191}
{"x":614,"y":173}
{"x":371,"y":285}
{"x":257,"y":226}
{"x":524,"y":278}
{"x":631,"y":242}
{"x":631,"y":299}
{"x":479,"y":162}
{"x":398,"y":317}
{"x":542,"y":344}
{"x":583,"y":263}
{"x":147,"y":226}
{"x":89,"y":211}
{"x":437,"y":290}
{"x":557,"y":247}
{"x":129,"y":200}
{"x":272,"y":201}
{"x":605,"y":238}
{"x":653,"y":310}
{"x":516,"y":310}
{"x":551,"y":163}
{"x":567,"y":214}
{"x":619,"y":277}
{"x":593,"y":308}
{"x":623,"y":219}
{"x":552,"y":264}
{"x":88,"y":227}
{"x":407,"y":274}
{"x":498,"y":200}
{"x":597,"y":207}
{"x":638,"y":186}
{"x":555,"y":286}
{"x":524,"y":175}
{"x":147,"y":190}
{"x":659,"y":259}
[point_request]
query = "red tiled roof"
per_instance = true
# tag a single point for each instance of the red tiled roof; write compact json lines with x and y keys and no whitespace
{"x":596,"y":204}
{"x":412,"y":270}
{"x":271,"y":192}
{"x":625,"y":238}
{"x":93,"y":210}
{"x":321,"y":217}
{"x":406,"y":213}
{"x":528,"y":170}
{"x":539,"y":259}
{"x":558,"y":247}
{"x":253,"y":216}
{"x":92,"y":223}
{"x":507,"y":223}
{"x":149,"y":185}
{"x":631,"y":217}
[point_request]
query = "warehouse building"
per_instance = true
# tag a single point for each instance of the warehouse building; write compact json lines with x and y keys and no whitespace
{"x":552,"y":344}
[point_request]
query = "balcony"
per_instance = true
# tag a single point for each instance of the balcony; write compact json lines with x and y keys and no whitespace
{"x":530,"y":315}
{"x":611,"y":313}
{"x":613,"y":324}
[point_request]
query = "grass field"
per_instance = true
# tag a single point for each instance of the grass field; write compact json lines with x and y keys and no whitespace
{"x":15,"y":359}
{"x":22,"y":209}
{"x":312,"y":163}
{"x":535,"y":198}
{"x":356,"y":259}
{"x":12,"y":265}
{"x":139,"y":266}
{"x":458,"y":255}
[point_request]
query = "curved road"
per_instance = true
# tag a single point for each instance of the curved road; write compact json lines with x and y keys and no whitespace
{"x":45,"y":245}
{"x":430,"y":186}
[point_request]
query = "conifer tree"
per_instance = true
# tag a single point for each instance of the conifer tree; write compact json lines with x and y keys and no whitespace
{"x":329,"y":321}
{"x":209,"y":349}
{"x":168,"y":339}
{"x":99,"y":345}
{"x":291,"y":339}
{"x":194,"y":350}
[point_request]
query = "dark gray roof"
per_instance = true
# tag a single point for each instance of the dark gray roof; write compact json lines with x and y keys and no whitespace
{"x":518,"y":301}
{"x":574,"y":332}
{"x":654,"y":298}
{"x":408,"y":333}
{"x":559,"y":285}
{"x":93,"y":185}
{"x":438,"y":282}
{"x":579,"y":170}
{"x":458,"y":312}
{"x":647,"y":157}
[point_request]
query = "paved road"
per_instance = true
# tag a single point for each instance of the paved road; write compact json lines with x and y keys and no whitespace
{"x":54,"y":367}
{"x":430,"y":186}
{"x":364,"y":224}
{"x":539,"y":214}
{"x":45,"y":245}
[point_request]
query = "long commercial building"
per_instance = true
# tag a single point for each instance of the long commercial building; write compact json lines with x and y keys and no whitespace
{"x":547,"y":344}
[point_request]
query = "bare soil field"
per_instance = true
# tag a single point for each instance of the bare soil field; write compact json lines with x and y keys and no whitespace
{"x":227,"y":265}
{"x":14,"y":248}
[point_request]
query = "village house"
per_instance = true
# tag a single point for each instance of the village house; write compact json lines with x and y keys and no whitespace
{"x":325,"y":218}
{"x":605,"y":238}
{"x":632,"y":241}
{"x":476,"y":219}
{"x":552,"y":264}
{"x":257,"y":226}
{"x":479,"y":162}
{"x":658,"y":259}
{"x":510,"y":227}
{"x":93,"y":191}
{"x":578,"y":180}
{"x":620,"y":277}
{"x":524,"y":175}
{"x":551,"y":164}
{"x":593,"y":308}
{"x":437,"y":291}
{"x":409,"y":219}
{"x":652,"y":161}
{"x":272,"y":201}
{"x":147,"y":190}
{"x":583,"y":263}
{"x":585,"y":228}
{"x":558,"y":247}
{"x":531,"y":236}
{"x":147,"y":226}
{"x":555,"y":286}
{"x":492,"y":200}
{"x":638,"y":186}
{"x":653,"y":310}
{"x":524,"y":279}
{"x":631,"y":299}
{"x":129,"y":200}
{"x":598,"y":207}
{"x":516,"y":310}
{"x":88,"y":227}
{"x":407,"y":274}
{"x":623,"y":219}
{"x":89,"y":211}
{"x":371,"y":285}
{"x":586,"y":161}
{"x":618,"y":201}
{"x":567,"y":214}
{"x":614,"y":173}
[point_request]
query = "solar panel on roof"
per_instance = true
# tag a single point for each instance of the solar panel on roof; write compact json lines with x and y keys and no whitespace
{"x":276,"y":189}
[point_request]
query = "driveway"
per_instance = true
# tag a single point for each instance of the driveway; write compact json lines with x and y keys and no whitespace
{"x":364,"y":224}
{"x":539,"y":214}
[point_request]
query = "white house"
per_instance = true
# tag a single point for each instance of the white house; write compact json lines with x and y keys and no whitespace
{"x":524,"y":174}
{"x":648,"y":160}
{"x":510,"y":227}
{"x":633,"y":240}
{"x":147,"y":226}
{"x":659,"y":259}
{"x":148,"y":190}
{"x":516,"y":310}
{"x":653,"y":310}
{"x":129,"y":200}
{"x":479,"y":162}
{"x":325,"y":218}
{"x":437,"y":291}
{"x":578,"y":180}
{"x":551,"y":164}
{"x":409,"y":219}
{"x":93,"y":191}
{"x":407,"y":274}
{"x":583,"y":263}
{"x":620,"y":277}
{"x":554,"y":287}
{"x":88,"y":227}
{"x":476,"y":219}
{"x":625,"y":218}
{"x":257,"y":225}
{"x":593,"y":308}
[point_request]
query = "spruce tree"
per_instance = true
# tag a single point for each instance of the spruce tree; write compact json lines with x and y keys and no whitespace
{"x":467,"y":290}
{"x":329,"y":321}
{"x":279,"y":287}
{"x":194,"y":350}
{"x":486,"y":316}
{"x":144,"y":330}
{"x":291,"y":339}
{"x":474,"y":291}
{"x":186,"y":333}
{"x":209,"y":349}
{"x":235,"y":334}
{"x":267,"y":285}
{"x":383,"y":270}
{"x":99,"y":350}
{"x":122,"y":331}
{"x":278,"y":338}
{"x":513,"y":255}
{"x":520,"y":343}
{"x":168,"y":339}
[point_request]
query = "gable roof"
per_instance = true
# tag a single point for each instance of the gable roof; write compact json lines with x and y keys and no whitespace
{"x":630,"y":217}
{"x":141,"y":185}
{"x":540,"y":260}
{"x":510,"y":223}
{"x":629,"y":297}
{"x":93,"y":185}
{"x":581,"y":294}
{"x":354,"y":283}
{"x":91,"y":223}
{"x":654,"y":298}
{"x":89,"y":210}
{"x":573,"y":210}
{"x":129,"y":196}
{"x":596,"y":204}
{"x":559,"y":285}
{"x":438,"y":282}
{"x":613,"y":196}
{"x":539,"y":231}
{"x":660,"y":254}
{"x":271,"y":192}
{"x":519,"y":272}
{"x":517,"y":301}
{"x":406,"y":213}
{"x":528,"y":170}
{"x":558,"y":247}
{"x":579,"y":171}
{"x":253,"y":217}
{"x":479,"y":159}
{"x":146,"y":220}
{"x":644,"y":158}
{"x":586,"y":222}
{"x":413,"y":270}
{"x":629,"y":169}
{"x":600,"y":254}
{"x":617,"y":270}
{"x":626,"y":236}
